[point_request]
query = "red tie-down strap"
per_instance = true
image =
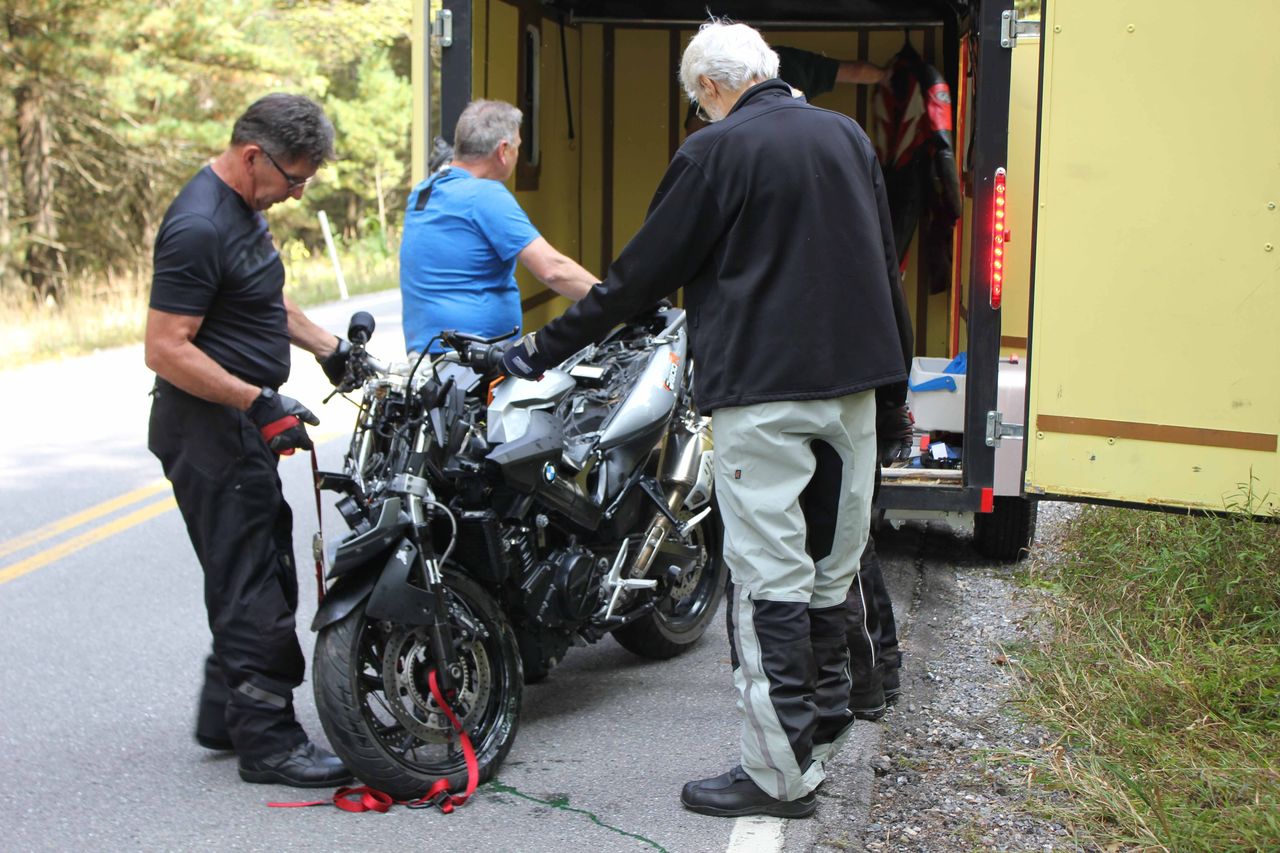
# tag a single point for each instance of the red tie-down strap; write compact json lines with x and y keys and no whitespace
{"x":366,"y":799}
{"x":276,"y":427}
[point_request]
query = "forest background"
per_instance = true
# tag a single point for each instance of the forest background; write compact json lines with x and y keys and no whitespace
{"x":108,"y":108}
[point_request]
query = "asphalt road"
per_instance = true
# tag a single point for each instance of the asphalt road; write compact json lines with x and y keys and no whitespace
{"x":102,"y":635}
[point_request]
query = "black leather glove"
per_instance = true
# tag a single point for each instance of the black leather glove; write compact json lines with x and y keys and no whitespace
{"x":523,"y":360}
{"x":894,"y":433}
{"x":334,"y":364}
{"x":280,"y":420}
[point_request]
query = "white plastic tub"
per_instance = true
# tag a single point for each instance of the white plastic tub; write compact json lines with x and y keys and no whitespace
{"x":936,"y":398}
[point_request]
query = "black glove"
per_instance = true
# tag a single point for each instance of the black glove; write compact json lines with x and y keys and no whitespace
{"x":334,"y":364}
{"x":894,"y":433}
{"x":280,"y":421}
{"x":523,"y":360}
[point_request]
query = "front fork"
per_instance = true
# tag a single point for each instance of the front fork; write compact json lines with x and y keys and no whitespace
{"x":426,"y":571}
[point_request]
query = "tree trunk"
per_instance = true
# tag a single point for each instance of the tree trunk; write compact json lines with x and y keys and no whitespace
{"x":46,"y":267}
{"x":6,"y":230}
{"x":351,"y":228}
{"x":382,"y":206}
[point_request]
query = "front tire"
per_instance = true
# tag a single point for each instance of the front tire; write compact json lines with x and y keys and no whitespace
{"x":687,"y":606}
{"x":373,"y":700}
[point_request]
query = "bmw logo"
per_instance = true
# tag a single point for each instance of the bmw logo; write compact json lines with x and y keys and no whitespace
{"x":549,"y":472}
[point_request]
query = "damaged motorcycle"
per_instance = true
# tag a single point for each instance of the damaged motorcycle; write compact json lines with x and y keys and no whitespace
{"x":496,"y":522}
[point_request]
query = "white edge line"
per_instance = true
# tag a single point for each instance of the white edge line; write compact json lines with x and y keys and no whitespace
{"x":756,"y":834}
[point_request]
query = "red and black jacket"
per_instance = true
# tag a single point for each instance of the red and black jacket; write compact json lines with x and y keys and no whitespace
{"x":914,"y":144}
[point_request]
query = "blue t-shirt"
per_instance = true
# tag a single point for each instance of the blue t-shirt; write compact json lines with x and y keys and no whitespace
{"x":458,"y":259}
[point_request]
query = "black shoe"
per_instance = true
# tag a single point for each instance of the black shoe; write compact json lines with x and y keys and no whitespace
{"x":868,"y":704}
{"x":215,"y":742}
{"x":892,"y":685}
{"x":304,"y":766}
{"x":733,"y":794}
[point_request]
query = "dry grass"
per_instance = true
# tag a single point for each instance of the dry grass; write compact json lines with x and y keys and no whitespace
{"x":91,"y":321}
{"x":1163,"y":679}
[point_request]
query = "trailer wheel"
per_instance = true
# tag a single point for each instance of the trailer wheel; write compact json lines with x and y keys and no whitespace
{"x":1005,"y":534}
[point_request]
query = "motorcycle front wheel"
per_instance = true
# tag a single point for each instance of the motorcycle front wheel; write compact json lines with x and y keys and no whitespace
{"x":382,"y":721}
{"x":686,"y":605}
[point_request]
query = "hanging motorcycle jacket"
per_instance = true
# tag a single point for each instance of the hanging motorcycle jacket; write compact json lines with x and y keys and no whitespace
{"x":914,"y":145}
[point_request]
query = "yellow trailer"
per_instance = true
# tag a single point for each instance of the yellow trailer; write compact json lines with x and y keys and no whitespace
{"x":1130,"y":334}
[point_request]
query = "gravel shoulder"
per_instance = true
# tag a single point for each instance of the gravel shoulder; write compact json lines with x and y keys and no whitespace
{"x":944,"y":773}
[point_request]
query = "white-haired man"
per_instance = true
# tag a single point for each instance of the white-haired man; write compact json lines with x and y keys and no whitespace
{"x":774,"y":220}
{"x":464,"y":232}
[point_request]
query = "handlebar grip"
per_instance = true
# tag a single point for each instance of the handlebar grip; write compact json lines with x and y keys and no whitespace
{"x":485,"y":358}
{"x":361,"y":328}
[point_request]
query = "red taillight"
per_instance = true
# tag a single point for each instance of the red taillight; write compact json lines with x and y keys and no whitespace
{"x":999,"y":229}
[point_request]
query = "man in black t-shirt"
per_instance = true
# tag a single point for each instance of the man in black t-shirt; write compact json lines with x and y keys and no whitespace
{"x":218,"y":335}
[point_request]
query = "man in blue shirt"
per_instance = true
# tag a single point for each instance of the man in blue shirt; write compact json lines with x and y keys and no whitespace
{"x":464,"y":232}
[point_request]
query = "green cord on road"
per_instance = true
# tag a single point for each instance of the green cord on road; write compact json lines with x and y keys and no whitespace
{"x":562,"y":803}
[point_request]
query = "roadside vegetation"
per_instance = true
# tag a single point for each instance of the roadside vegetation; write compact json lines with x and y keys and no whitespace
{"x":107,"y":109}
{"x":1161,"y":676}
{"x":115,"y":315}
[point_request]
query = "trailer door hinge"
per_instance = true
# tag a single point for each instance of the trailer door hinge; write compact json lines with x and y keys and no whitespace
{"x":998,"y":429}
{"x":442,"y":27}
{"x":1011,"y":28}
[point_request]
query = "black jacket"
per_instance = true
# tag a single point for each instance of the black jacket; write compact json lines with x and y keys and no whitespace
{"x":775,"y":222}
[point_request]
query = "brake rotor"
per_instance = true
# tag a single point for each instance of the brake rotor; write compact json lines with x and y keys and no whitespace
{"x":685,"y":584}
{"x":406,"y":665}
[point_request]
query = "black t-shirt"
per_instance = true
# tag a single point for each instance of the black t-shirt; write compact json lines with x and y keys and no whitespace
{"x":811,"y":73}
{"x":214,"y":258}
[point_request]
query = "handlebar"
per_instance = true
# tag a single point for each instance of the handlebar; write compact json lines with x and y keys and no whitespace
{"x":483,"y":355}
{"x":483,"y":358}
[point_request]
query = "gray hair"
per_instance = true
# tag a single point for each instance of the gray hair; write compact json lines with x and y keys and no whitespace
{"x":482,"y":125}
{"x":291,"y":127}
{"x":730,"y":54}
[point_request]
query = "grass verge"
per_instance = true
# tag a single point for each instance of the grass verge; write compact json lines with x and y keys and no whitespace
{"x":1163,"y":678}
{"x":91,"y":321}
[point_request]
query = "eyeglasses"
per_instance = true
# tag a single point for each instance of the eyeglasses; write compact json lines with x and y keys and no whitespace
{"x":293,"y":182}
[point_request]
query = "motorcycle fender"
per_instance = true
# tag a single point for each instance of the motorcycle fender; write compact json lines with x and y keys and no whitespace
{"x":394,"y":598}
{"x":345,"y":595}
{"x":390,"y":594}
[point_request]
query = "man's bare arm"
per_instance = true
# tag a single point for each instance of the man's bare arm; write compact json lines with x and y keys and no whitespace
{"x":857,"y":71}
{"x":171,"y":353}
{"x":556,"y":270}
{"x":306,"y":334}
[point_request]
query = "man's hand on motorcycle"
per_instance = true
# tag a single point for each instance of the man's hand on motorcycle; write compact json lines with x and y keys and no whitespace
{"x":523,"y":360}
{"x":335,"y":363}
{"x":280,"y":420}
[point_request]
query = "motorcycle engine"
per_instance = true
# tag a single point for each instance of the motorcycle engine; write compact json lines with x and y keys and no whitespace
{"x":563,"y":590}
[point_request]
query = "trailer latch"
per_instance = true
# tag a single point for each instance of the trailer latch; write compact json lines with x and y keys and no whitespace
{"x":998,"y":429}
{"x":442,"y":27}
{"x":1011,"y":28}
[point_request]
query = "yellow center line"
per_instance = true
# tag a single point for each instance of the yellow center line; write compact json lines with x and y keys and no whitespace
{"x":55,"y":528}
{"x":97,"y":534}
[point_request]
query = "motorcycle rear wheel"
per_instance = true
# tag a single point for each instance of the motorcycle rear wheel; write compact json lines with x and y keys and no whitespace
{"x":373,"y":700}
{"x":681,"y":616}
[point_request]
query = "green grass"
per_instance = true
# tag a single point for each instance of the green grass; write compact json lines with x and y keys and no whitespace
{"x":1163,"y":678}
{"x":93,"y":319}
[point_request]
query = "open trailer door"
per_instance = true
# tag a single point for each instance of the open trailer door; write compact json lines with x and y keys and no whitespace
{"x":1154,"y":365}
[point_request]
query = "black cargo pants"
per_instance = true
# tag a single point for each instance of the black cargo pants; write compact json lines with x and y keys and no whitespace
{"x":228,"y":489}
